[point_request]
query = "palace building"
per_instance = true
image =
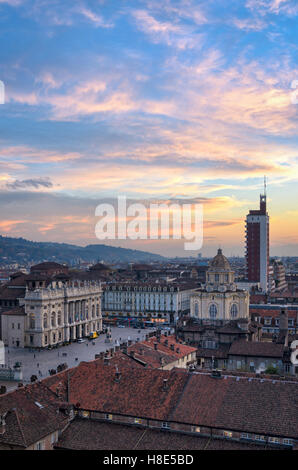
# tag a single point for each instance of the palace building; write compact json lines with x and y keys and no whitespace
{"x":62,"y":312}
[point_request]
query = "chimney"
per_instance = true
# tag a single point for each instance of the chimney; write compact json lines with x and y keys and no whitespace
{"x":141,"y":351}
{"x":59,"y":390}
{"x":162,"y":361}
{"x":106,"y":361}
{"x":155,"y":346}
{"x":283,"y":325}
{"x":177,"y":350}
{"x":2,"y":424}
{"x":129,"y":342}
{"x":172,"y":347}
{"x":216,"y":374}
{"x":165,"y":385}
{"x":117,"y":376}
{"x":132,"y":353}
{"x":166,"y":342}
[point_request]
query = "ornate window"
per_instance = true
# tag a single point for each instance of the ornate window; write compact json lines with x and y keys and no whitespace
{"x":45,"y":320}
{"x":234,"y":311}
{"x":53,"y":319}
{"x":32,"y":321}
{"x":212,"y":311}
{"x":196,"y":309}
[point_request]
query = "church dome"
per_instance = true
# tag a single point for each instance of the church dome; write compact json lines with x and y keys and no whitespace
{"x":220,"y":261}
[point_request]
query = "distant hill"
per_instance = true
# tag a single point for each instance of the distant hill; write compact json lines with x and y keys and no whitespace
{"x":19,"y":250}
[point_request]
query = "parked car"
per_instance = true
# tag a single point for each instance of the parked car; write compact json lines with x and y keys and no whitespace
{"x":81,"y":340}
{"x":121,"y":326}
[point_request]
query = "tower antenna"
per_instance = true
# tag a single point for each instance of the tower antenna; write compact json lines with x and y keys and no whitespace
{"x":265,"y":185}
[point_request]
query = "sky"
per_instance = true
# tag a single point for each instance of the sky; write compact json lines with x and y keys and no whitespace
{"x":184,"y":101}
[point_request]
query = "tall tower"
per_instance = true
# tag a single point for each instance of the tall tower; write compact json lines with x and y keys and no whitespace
{"x":257,"y":244}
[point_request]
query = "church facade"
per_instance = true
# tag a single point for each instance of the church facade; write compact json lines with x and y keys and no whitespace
{"x":219,"y":301}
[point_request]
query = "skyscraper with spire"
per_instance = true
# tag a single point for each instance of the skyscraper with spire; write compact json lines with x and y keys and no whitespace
{"x":257,"y":243}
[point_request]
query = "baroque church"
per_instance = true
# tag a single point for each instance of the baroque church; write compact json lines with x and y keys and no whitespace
{"x":219,"y":312}
{"x":219,"y":301}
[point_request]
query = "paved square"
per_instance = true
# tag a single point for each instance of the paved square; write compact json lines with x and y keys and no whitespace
{"x":39,"y":363}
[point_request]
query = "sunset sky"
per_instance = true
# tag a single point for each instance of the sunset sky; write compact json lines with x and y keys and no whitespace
{"x":186,"y":101}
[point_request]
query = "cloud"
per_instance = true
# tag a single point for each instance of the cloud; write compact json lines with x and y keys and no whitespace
{"x":249,"y":24}
{"x":13,"y":3}
{"x":288,"y":7}
{"x":172,"y":34}
{"x":25,"y":154}
{"x":30,"y":183}
{"x":96,"y":19}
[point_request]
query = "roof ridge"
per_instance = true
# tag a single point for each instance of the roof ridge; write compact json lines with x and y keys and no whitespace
{"x":140,"y":438}
{"x":20,"y":426}
{"x":171,"y":412}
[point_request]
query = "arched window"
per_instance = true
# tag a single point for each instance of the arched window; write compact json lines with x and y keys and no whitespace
{"x":196,"y":309}
{"x":59,"y":318}
{"x":212,"y":311}
{"x":53,"y":319}
{"x":234,"y":311}
{"x":45,"y":320}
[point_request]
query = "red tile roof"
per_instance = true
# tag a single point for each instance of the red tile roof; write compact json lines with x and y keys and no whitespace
{"x":157,"y":353}
{"x":19,"y":311}
{"x":93,"y":387}
{"x":235,"y":403}
{"x":257,"y":348}
{"x":85,"y":434}
{"x":30,"y":413}
{"x":252,"y":406}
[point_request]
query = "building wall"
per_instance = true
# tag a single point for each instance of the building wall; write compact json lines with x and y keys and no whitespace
{"x":47,"y":443}
{"x":13,"y":328}
{"x":200,"y":305}
{"x":253,"y":364}
{"x":142,"y":302}
{"x":61,"y":314}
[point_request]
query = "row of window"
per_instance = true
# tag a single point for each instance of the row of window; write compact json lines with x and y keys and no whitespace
{"x":227,"y":434}
{"x":149,"y":289}
{"x":213,"y":310}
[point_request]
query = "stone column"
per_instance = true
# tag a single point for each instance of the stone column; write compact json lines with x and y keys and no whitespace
{"x":73,"y":332}
{"x":67,"y":333}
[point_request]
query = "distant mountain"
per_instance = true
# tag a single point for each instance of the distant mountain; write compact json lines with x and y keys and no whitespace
{"x":21,"y":251}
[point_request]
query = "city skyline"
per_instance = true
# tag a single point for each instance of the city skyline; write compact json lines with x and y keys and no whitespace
{"x":166,"y":101}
